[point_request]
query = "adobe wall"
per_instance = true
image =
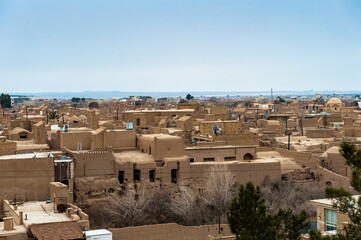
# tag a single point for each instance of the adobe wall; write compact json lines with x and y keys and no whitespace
{"x":98,"y":138}
{"x":7,"y":148}
{"x":58,"y":189}
{"x":219,"y":153}
{"x":334,"y":180}
{"x":302,"y":158}
{"x":168,"y":147}
{"x":183,"y":170}
{"x":16,"y":137}
{"x":336,"y":163}
{"x":146,"y":145}
{"x":143,"y":119}
{"x":26,"y":124}
{"x":93,"y":119}
{"x":245,"y":138}
{"x":39,"y":131}
{"x":227,"y":127}
{"x":168,"y":231}
{"x":244,"y":172}
{"x":119,"y":139}
{"x":185,"y":124}
{"x":194,"y":106}
{"x":54,"y":142}
{"x":161,"y":147}
{"x":96,"y":162}
{"x":352,"y":131}
{"x":309,"y":122}
{"x":29,"y":177}
{"x":320,"y":133}
{"x":70,"y":140}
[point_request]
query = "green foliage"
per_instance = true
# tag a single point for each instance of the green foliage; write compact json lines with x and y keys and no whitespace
{"x":248,"y":219}
{"x":75,"y":99}
{"x":336,"y":192}
{"x":316,"y":235}
{"x":53,"y":115}
{"x":291,"y":224}
{"x":5,"y":100}
{"x":189,"y":97}
{"x":281,"y":99}
{"x":343,"y":200}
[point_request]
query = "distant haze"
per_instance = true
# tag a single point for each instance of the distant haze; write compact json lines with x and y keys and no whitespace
{"x":111,"y":94}
{"x":179,"y":45}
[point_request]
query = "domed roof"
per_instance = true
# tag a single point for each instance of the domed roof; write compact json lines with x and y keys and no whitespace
{"x":334,"y":100}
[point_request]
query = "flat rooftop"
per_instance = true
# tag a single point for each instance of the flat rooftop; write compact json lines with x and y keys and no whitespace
{"x":163,"y":136}
{"x":237,"y":162}
{"x":328,"y":201}
{"x":27,"y":156}
{"x":41,"y":212}
{"x":159,"y":110}
{"x":199,"y":147}
{"x":134,"y":156}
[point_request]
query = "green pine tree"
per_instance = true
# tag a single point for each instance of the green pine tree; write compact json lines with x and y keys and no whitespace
{"x":247,"y":215}
{"x":5,"y":100}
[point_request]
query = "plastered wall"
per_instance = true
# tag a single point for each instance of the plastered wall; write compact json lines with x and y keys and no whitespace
{"x":168,"y":231}
{"x":29,"y":177}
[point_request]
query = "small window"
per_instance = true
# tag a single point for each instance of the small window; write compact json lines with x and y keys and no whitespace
{"x":248,"y":156}
{"x":121,"y":177}
{"x":23,"y":135}
{"x":136,"y":175}
{"x":152,"y":175}
{"x":229,"y":158}
{"x":174,"y":177}
{"x":331,"y":220}
{"x":191,"y":160}
{"x":208,"y":159}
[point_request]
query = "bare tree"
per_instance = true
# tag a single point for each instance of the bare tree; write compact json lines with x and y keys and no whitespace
{"x":220,"y":188}
{"x":186,"y":205}
{"x":284,"y":194}
{"x":130,"y":208}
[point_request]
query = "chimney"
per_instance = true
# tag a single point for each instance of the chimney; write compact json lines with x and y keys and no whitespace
{"x":8,"y":223}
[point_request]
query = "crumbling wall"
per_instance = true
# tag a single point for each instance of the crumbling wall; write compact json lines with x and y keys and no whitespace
{"x":87,"y":188}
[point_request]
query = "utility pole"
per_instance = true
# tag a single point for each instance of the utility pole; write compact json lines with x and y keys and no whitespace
{"x":219,"y":225}
{"x":301,"y":126}
{"x":289,"y":133}
{"x":47,"y":117}
{"x":271,"y":95}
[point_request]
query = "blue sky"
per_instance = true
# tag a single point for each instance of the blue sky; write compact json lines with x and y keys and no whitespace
{"x":185,"y":45}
